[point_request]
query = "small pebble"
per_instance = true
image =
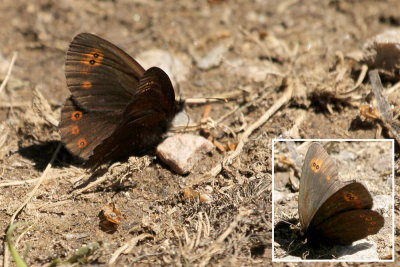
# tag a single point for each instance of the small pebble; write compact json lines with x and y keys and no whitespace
{"x":212,"y":59}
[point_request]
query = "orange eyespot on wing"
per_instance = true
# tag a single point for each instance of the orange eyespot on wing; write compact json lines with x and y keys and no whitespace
{"x":348,"y":196}
{"x":93,"y":58}
{"x":82,"y":143}
{"x":75,"y":130}
{"x":147,"y":87}
{"x":87,"y":85}
{"x":316,"y":164}
{"x":76,"y":115}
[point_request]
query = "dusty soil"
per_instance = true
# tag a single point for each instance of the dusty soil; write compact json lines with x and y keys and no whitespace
{"x":271,"y":46}
{"x":367,"y":161}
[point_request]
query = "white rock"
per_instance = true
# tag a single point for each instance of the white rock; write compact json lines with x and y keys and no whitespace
{"x":212,"y":59}
{"x":253,"y":70}
{"x":289,"y":258}
{"x":382,"y":164}
{"x":278,"y":196}
{"x":359,"y":250}
{"x":181,"y":119}
{"x":383,"y":203}
{"x":347,"y":156}
{"x":181,"y":152}
{"x":171,"y":64}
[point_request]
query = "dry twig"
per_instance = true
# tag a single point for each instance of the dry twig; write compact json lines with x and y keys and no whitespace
{"x":225,"y":97}
{"x":42,"y":107}
{"x":15,"y":105}
{"x":96,"y":182}
{"x":128,"y":246}
{"x":217,"y":247}
{"x":361,"y":77}
{"x":23,"y":182}
{"x":287,"y":95}
{"x":5,"y":81}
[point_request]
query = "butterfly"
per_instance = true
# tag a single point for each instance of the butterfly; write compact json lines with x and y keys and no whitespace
{"x":116,"y":107}
{"x":332,"y":211}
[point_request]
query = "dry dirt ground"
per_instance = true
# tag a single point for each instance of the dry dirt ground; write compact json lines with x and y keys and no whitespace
{"x":271,"y":47}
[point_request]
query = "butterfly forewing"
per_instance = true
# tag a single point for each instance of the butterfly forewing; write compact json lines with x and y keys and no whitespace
{"x":97,"y":69}
{"x":319,"y":178}
{"x":349,"y":226}
{"x":353,"y":195}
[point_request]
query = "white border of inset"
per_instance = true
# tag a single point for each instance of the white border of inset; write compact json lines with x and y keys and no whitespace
{"x":328,"y":140}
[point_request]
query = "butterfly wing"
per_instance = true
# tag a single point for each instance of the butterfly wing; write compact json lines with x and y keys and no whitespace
{"x":352,"y":195}
{"x":146,"y":118}
{"x":103,"y":80}
{"x":97,"y":69}
{"x":349,"y":226}
{"x":318,"y":181}
{"x":77,"y":125}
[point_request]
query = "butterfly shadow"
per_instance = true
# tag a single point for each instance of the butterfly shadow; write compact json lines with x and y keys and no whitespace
{"x":290,"y":239}
{"x":42,"y":153}
{"x":287,"y":235}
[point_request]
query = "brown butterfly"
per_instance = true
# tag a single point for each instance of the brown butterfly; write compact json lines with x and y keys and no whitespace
{"x":332,"y":211}
{"x":116,"y":108}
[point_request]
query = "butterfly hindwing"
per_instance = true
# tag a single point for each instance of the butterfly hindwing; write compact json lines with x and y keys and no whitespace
{"x":353,"y":195}
{"x":155,"y":92}
{"x":144,"y":121}
{"x":77,"y":127}
{"x":349,"y":226}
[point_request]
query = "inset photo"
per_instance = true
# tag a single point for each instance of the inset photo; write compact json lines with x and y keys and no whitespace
{"x":333,"y":200}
